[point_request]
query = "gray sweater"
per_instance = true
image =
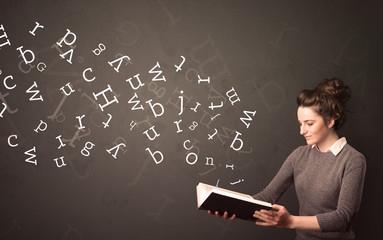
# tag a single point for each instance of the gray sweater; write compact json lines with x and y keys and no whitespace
{"x":327,"y":186}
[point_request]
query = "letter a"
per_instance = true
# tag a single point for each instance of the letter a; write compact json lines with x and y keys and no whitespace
{"x":119,"y":64}
{"x":117,"y":147}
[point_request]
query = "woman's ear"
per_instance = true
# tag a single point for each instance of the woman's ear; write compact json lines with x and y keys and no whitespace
{"x":331,"y":123}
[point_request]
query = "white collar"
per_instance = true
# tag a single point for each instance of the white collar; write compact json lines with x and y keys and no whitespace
{"x":336,"y":147}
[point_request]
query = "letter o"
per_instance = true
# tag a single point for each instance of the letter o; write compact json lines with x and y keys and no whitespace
{"x":187,"y":158}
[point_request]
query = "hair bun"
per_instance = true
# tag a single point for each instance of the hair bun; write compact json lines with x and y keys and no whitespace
{"x":334,"y":87}
{"x":330,"y":96}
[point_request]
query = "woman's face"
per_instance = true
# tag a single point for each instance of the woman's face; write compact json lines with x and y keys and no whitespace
{"x":312,"y":126}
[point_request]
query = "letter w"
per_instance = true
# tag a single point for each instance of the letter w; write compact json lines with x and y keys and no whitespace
{"x":135,"y":102}
{"x":243,"y":119}
{"x":35,"y":93}
{"x":159,"y":72}
{"x":32,"y":155}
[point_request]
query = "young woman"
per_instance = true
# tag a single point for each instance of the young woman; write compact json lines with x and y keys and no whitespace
{"x":328,"y":173}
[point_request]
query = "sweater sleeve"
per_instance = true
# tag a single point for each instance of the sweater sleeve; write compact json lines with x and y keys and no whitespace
{"x":281,"y":181}
{"x":349,"y":198}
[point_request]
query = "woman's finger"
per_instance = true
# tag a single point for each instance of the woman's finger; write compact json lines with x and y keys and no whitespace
{"x":265,"y":224}
{"x":264,"y":217}
{"x":217,"y":214}
{"x":269,"y":213}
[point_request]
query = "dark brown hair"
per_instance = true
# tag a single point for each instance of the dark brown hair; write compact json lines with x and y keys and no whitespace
{"x":329,"y":98}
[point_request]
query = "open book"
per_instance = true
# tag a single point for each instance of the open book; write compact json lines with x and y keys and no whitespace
{"x":220,"y":199}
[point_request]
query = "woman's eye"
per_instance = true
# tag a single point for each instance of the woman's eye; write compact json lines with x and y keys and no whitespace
{"x":310,"y":124}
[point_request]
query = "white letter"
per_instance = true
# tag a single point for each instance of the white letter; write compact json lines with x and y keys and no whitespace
{"x":23,"y":55}
{"x":5,"y":82}
{"x":5,"y":107}
{"x":234,"y":94}
{"x":187,"y":158}
{"x":39,"y":127}
{"x":70,"y":88}
{"x":35,"y":93}
{"x":237,"y":139}
{"x":62,"y":162}
{"x":140,"y":84}
{"x":156,"y":152}
{"x":85,"y":78}
{"x":32,"y":155}
{"x":178,"y":125}
{"x":85,"y":151}
{"x":152,"y":107}
{"x":119,"y":64}
{"x":37,"y":26}
{"x":41,"y":68}
{"x":107,"y":101}
{"x":248,"y":118}
{"x":79,"y":120}
{"x":9,"y":142}
{"x":136,"y":102}
{"x":117,"y":147}
{"x":64,"y":39}
{"x":159,"y":72}
{"x":4,"y":36}
{"x":61,"y":143}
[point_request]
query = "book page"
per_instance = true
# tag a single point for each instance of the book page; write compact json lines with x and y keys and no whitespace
{"x":241,"y":196}
{"x":204,"y":190}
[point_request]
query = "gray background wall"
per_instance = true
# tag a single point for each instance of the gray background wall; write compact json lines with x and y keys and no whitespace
{"x":266,"y":50}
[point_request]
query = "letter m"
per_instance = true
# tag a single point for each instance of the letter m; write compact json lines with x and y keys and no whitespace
{"x":243,"y":119}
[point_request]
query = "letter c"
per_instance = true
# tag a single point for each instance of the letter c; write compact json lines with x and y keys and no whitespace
{"x":85,"y":78}
{"x":9,"y":142}
{"x":187,"y":147}
{"x":6,"y":85}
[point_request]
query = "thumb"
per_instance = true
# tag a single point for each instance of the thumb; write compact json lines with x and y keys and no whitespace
{"x":277,"y":207}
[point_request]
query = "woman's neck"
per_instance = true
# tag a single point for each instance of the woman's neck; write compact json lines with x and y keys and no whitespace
{"x":331,"y":138}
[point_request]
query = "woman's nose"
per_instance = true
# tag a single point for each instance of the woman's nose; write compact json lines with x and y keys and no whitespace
{"x":303,"y":130}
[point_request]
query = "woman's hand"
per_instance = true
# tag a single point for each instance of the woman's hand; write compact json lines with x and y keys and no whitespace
{"x":280,"y":218}
{"x":225,"y":215}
